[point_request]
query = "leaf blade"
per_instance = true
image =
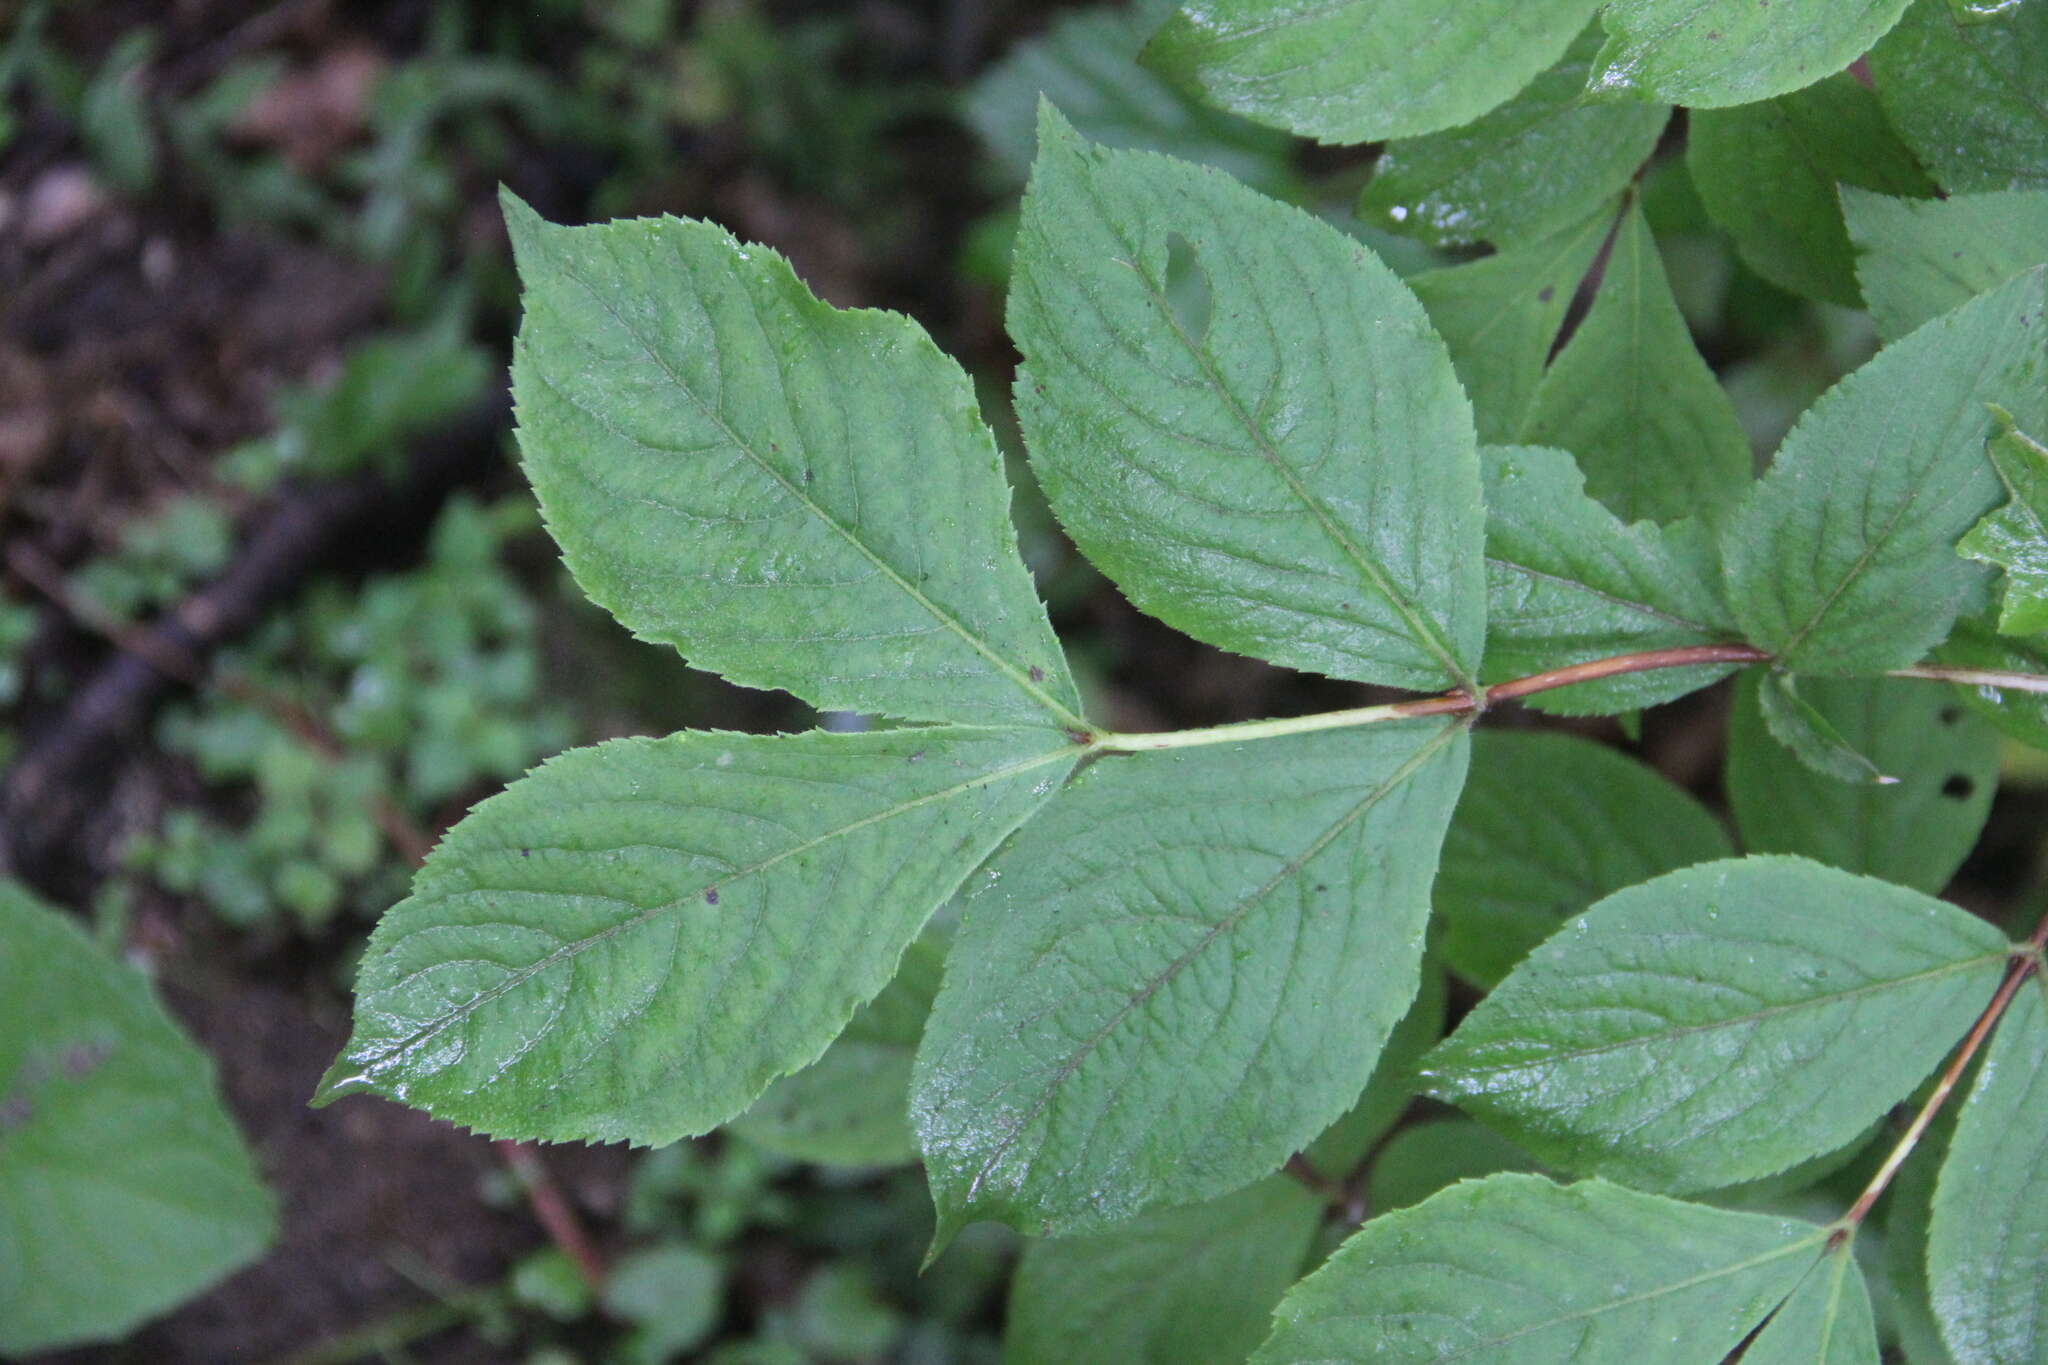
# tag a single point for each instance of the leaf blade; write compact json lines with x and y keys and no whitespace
{"x":1231,"y":483}
{"x":1145,"y":977}
{"x":1722,"y":52}
{"x":1516,"y":1270}
{"x":570,"y":943}
{"x":1686,"y":1034}
{"x":1841,"y":560}
{"x":792,"y":495}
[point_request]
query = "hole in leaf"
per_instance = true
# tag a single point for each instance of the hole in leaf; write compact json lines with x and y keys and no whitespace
{"x":1951,"y":714}
{"x":1187,"y":288}
{"x":1958,"y":787}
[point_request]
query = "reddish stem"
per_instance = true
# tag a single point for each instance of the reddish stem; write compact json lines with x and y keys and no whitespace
{"x":553,"y":1211}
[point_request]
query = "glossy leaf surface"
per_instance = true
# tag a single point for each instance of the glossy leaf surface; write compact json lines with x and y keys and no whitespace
{"x":2015,"y":536}
{"x":1713,"y":53}
{"x":1360,"y":70}
{"x":1526,"y":170}
{"x":630,"y":943}
{"x":1842,"y":559}
{"x":123,"y":1183}
{"x":1964,"y":90}
{"x":792,"y":495}
{"x":1180,"y":972}
{"x":1694,"y":1032}
{"x":1294,"y":474}
{"x":1516,"y":1270}
{"x":1549,"y":824}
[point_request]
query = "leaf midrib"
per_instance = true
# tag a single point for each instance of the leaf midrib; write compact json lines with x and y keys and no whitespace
{"x":1755,"y":1016}
{"x":576,"y":947}
{"x":1166,"y":974}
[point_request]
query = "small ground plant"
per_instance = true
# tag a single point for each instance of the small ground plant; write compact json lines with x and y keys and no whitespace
{"x":1193,"y":984}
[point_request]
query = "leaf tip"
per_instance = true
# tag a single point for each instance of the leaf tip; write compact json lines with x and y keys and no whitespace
{"x":340,"y":1080}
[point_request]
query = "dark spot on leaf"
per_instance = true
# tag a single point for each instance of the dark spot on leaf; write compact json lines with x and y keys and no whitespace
{"x":1546,"y":293}
{"x":915,"y":757}
{"x":1958,"y":787}
{"x":526,"y":853}
{"x":808,"y":476}
{"x":1037,"y":673}
{"x":1951,"y":714}
{"x":711,"y":895}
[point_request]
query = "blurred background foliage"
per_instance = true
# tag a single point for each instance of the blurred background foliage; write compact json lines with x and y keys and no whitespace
{"x":251,"y":251}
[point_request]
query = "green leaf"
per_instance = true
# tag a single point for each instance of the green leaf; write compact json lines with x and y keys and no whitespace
{"x":1918,"y":258}
{"x":1906,"y":1208}
{"x":672,"y":1294}
{"x":1713,"y":53}
{"x":792,"y":495}
{"x":1690,"y":1033}
{"x":1916,"y":831}
{"x":1966,"y":96}
{"x":1528,"y":169}
{"x":1185,"y":1286}
{"x":851,"y":1107}
{"x":1567,"y":582}
{"x":2015,"y":537}
{"x":1631,"y":398}
{"x":2022,"y":715}
{"x":1516,"y":1270}
{"x":1086,"y":64}
{"x":125,"y":1186}
{"x":1827,"y":1321}
{"x":633,"y":941}
{"x":1347,"y":71}
{"x":1500,"y":316}
{"x":1548,"y":824}
{"x":1180,"y":972}
{"x":1293,"y":476}
{"x":1426,"y":1157}
{"x":1811,"y":737}
{"x":1988,"y":1237}
{"x":1842,"y":559}
{"x":1394,"y":1084}
{"x":1769,"y":172}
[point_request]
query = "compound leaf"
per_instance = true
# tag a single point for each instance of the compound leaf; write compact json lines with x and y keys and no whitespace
{"x":1294,"y":476}
{"x":631,"y":942}
{"x":1180,"y":972}
{"x":1499,"y":318}
{"x":1916,"y":830}
{"x":1827,"y":1321}
{"x":1802,"y":146}
{"x":1548,"y":824}
{"x":1528,"y":169}
{"x":1567,"y":581}
{"x":1085,"y":64}
{"x":1516,"y":1270}
{"x":2015,"y":536}
{"x":1987,"y":1238}
{"x":1714,"y":53}
{"x":792,"y":495}
{"x":1842,"y":559}
{"x":124,"y":1185}
{"x":1346,"y":71}
{"x":1966,"y":93}
{"x":1185,"y":1286}
{"x":1631,"y":398}
{"x":1692,"y":1032}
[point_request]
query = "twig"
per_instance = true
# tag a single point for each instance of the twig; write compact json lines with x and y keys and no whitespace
{"x":556,"y":1215}
{"x":2023,"y":966}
